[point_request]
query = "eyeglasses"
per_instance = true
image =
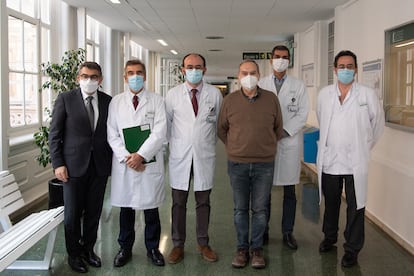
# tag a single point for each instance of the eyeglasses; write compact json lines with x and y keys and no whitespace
{"x":347,"y":66}
{"x":92,"y":77}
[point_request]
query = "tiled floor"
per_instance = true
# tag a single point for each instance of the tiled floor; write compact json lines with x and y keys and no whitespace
{"x":380,"y":255}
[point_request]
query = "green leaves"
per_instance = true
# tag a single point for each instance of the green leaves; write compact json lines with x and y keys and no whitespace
{"x":41,"y":140}
{"x":63,"y":76}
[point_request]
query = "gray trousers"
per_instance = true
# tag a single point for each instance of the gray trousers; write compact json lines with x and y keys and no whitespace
{"x":179,"y":216}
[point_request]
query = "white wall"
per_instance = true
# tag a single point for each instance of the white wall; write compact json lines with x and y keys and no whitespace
{"x":360,"y":27}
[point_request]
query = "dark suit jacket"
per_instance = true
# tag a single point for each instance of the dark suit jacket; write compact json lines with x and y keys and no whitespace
{"x":71,"y":139}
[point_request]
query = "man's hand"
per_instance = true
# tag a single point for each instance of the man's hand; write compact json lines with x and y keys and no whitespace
{"x":135,"y":162}
{"x":61,"y":173}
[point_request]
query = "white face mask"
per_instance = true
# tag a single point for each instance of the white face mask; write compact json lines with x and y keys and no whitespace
{"x":280,"y":64}
{"x":249,"y":82}
{"x":89,"y":86}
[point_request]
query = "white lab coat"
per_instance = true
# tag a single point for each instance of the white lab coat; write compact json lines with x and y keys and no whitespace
{"x":366,"y":119}
{"x":294,"y":103}
{"x":192,"y":140}
{"x":129,"y":188}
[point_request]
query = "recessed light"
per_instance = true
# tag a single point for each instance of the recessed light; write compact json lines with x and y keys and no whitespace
{"x":115,"y":1}
{"x":174,"y":52}
{"x":214,"y":37}
{"x":162,"y":42}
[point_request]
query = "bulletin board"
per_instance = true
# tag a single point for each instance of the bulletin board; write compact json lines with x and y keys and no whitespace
{"x":308,"y":74}
{"x":372,"y":76}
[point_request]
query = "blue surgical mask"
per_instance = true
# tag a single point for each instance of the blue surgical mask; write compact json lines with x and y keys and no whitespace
{"x":193,"y":76}
{"x":346,"y":76}
{"x":135,"y":82}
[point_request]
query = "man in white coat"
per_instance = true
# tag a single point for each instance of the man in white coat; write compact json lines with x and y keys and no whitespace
{"x":192,"y":110}
{"x":351,"y":121}
{"x":136,"y":184}
{"x":294,"y":102}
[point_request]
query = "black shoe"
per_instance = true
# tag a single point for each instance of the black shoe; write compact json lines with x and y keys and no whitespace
{"x":156,"y":257}
{"x":91,"y":258}
{"x":77,"y":264}
{"x":349,"y":259}
{"x":326,"y":246}
{"x":123,"y":256}
{"x":290,"y":241}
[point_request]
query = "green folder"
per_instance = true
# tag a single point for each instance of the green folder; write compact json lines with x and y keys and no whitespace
{"x":135,"y":136}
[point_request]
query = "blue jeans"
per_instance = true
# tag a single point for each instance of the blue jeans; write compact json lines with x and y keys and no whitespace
{"x":250,"y":182}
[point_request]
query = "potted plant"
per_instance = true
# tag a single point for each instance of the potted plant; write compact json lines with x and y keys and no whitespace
{"x":62,"y":77}
{"x":179,"y":77}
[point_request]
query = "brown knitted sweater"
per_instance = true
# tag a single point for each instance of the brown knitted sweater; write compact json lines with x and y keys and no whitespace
{"x":250,"y":129}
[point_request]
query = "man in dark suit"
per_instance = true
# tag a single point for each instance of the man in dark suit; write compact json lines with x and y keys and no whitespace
{"x":81,"y":158}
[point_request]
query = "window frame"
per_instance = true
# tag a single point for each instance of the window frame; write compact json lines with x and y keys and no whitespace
{"x":28,"y":128}
{"x":398,"y":113}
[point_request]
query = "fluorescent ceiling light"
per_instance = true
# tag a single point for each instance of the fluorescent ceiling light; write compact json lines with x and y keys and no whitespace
{"x":162,"y":42}
{"x":174,"y":52}
{"x":115,"y":1}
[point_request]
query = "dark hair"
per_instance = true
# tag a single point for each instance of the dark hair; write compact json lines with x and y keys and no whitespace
{"x":91,"y":65}
{"x":195,"y":54}
{"x":135,"y":62}
{"x":346,"y":53}
{"x":252,"y":61}
{"x":281,"y":48}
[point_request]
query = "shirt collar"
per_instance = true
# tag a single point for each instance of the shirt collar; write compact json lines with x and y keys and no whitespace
{"x":140,"y":94}
{"x":189,"y":88}
{"x":281,"y":80}
{"x":254,"y":98}
{"x":338,"y":92}
{"x":94,"y":95}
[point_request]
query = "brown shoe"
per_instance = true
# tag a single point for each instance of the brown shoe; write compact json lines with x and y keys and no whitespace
{"x":176,"y":255}
{"x":208,"y":253}
{"x":258,"y":260}
{"x":241,"y":258}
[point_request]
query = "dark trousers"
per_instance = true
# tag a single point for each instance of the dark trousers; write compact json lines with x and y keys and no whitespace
{"x":288,"y":212}
{"x":332,"y":186}
{"x":126,"y":236}
{"x":289,"y":209}
{"x":83,"y":197}
{"x":179,"y":215}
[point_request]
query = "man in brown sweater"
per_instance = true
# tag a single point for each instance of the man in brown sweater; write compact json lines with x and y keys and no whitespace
{"x":250,"y":124}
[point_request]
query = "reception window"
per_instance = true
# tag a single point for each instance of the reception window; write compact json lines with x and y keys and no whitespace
{"x":399,"y":77}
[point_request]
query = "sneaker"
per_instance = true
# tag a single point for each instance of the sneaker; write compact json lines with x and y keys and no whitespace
{"x":258,"y":260}
{"x":176,"y":255}
{"x":208,"y":254}
{"x":241,"y":258}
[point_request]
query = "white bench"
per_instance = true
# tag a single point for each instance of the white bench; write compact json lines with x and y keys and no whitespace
{"x":17,"y":239}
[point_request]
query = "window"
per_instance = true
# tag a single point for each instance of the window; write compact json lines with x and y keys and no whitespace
{"x":170,"y":74}
{"x":92,"y":39}
{"x":136,"y":50}
{"x":399,"y":77}
{"x":26,"y":36}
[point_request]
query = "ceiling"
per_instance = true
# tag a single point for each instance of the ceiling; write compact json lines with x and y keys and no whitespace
{"x":245,"y":25}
